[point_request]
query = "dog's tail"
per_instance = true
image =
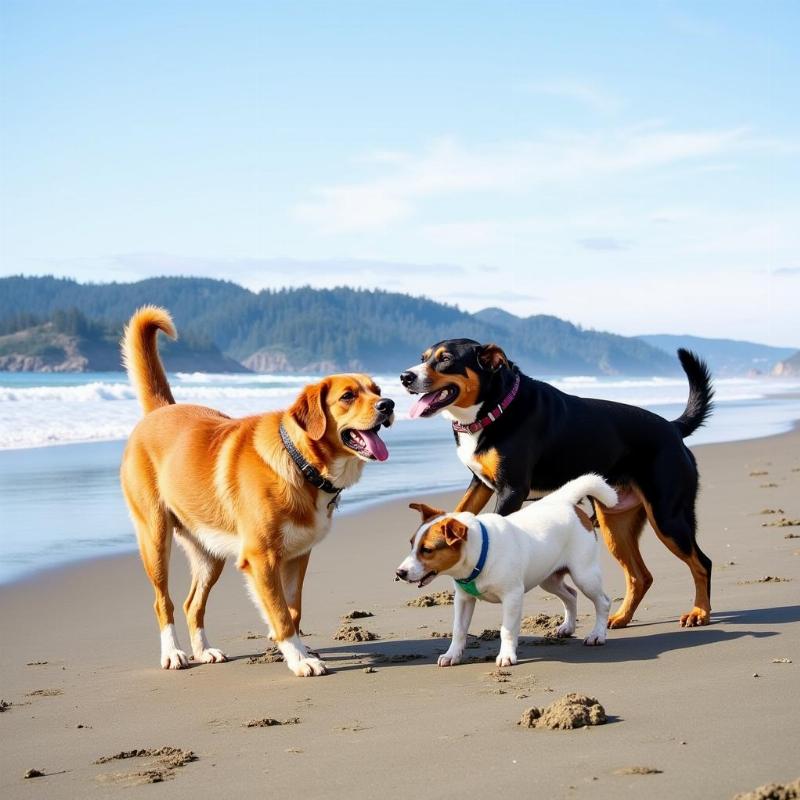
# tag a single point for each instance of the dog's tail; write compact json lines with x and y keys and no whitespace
{"x":140,"y":356}
{"x":701,"y":393}
{"x":589,"y":485}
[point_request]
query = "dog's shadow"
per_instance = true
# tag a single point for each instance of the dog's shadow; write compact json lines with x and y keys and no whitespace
{"x":645,"y":647}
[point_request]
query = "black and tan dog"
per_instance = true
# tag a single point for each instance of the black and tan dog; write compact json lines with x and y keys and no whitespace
{"x":520,"y":436}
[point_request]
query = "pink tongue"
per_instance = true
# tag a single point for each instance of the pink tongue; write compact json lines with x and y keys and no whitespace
{"x":375,"y":446}
{"x":422,"y":405}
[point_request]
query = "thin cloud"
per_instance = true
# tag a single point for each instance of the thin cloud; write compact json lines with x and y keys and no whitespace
{"x":448,"y":167}
{"x":785,"y":272}
{"x":603,"y":243}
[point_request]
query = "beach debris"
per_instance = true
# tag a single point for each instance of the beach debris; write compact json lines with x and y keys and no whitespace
{"x":45,"y":693}
{"x":356,"y":614}
{"x":770,"y":485}
{"x":441,"y":635}
{"x":272,"y":656}
{"x":772,"y":511}
{"x":35,"y":663}
{"x":33,"y":773}
{"x":773,"y":791}
{"x":571,"y":711}
{"x":369,"y":670}
{"x":5,"y":705}
{"x":251,"y":635}
{"x":784,"y":522}
{"x":781,"y":660}
{"x":756,"y":675}
{"x":756,"y":472}
{"x":354,"y":633}
{"x":638,"y":771}
{"x":428,"y":600}
{"x":269,"y":722}
{"x":766,"y":579}
{"x":164,"y":762}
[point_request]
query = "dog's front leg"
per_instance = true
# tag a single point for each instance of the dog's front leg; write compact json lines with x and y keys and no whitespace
{"x":476,"y":496}
{"x":464,"y":606}
{"x":264,"y":576}
{"x":509,"y":630}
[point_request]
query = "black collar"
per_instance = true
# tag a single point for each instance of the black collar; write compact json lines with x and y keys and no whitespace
{"x":310,"y":473}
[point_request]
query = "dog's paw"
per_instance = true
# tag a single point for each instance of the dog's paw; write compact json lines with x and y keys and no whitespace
{"x":595,"y":639}
{"x":697,"y":616}
{"x":308,"y":667}
{"x":505,"y":659}
{"x":174,"y":659}
{"x":449,"y":659}
{"x":618,"y":620}
{"x":211,"y":655}
{"x":563,"y":631}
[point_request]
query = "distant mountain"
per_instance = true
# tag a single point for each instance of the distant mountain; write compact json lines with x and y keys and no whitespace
{"x":322,"y":330}
{"x":788,"y":367}
{"x":724,"y":356}
{"x":69,"y":342}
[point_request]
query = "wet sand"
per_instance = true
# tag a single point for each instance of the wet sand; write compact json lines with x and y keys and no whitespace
{"x":698,"y":713}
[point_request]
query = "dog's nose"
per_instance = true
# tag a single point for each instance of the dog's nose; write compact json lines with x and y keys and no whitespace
{"x":402,"y":574}
{"x":407,"y":378}
{"x":385,"y":405}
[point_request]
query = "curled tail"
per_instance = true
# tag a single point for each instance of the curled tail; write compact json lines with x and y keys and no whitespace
{"x":589,"y":485}
{"x":701,"y":392}
{"x":140,"y":356}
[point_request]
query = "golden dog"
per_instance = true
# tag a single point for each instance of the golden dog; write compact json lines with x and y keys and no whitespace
{"x":230,"y":487}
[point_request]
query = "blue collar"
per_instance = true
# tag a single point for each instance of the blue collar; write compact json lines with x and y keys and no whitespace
{"x":468,"y":584}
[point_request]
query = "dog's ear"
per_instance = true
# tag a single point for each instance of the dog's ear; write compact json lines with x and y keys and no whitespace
{"x":454,"y":531}
{"x":491,"y":357}
{"x":427,"y":511}
{"x":308,"y":410}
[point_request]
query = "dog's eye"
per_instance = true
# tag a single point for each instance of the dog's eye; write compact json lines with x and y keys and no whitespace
{"x":347,"y":397}
{"x":445,"y":357}
{"x":426,"y":551}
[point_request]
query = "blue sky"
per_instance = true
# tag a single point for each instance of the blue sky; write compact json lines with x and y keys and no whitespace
{"x":628,"y":166}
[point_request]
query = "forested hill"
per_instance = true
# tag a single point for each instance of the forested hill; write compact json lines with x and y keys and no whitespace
{"x":315,"y":330}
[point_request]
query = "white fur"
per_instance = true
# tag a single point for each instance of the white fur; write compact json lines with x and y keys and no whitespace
{"x":172,"y":657}
{"x":221,"y":544}
{"x":531,"y":547}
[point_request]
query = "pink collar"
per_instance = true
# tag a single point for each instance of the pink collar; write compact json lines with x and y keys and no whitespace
{"x":493,"y":415}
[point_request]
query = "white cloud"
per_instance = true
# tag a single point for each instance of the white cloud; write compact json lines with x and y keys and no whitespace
{"x":403,"y":181}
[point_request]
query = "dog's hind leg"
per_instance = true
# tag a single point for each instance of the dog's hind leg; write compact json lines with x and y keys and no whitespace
{"x":590,"y":582}
{"x":621,"y":533}
{"x":556,"y":585}
{"x":154,"y":534}
{"x":206,"y":570}
{"x":676,"y":530}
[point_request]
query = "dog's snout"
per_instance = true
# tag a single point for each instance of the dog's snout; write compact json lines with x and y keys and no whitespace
{"x":407,"y":378}
{"x":402,"y":574}
{"x":385,"y":405}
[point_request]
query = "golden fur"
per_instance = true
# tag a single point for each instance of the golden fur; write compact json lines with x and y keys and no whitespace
{"x":228,"y":487}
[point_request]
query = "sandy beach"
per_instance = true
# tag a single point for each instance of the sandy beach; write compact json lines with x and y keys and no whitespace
{"x":714,"y":710}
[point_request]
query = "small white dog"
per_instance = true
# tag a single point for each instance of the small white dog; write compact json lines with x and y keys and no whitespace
{"x":498,"y":559}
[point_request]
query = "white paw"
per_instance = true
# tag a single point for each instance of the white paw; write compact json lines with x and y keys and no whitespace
{"x":174,"y":659}
{"x":308,"y":667}
{"x":564,"y":630}
{"x":449,"y":659}
{"x":594,"y":640}
{"x":211,"y":655}
{"x":505,"y":659}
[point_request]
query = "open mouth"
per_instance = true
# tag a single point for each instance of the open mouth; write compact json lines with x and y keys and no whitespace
{"x":366,"y":444}
{"x":432,"y":402}
{"x":427,"y":578}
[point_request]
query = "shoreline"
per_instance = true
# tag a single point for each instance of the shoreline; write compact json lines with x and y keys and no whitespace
{"x":363,"y":507}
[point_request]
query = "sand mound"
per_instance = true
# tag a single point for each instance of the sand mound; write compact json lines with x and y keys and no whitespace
{"x":269,"y":722}
{"x":541,"y":623}
{"x":571,"y":711}
{"x":357,"y":615}
{"x":353,"y":633}
{"x":436,"y":599}
{"x":272,"y":656}
{"x":773,"y":791}
{"x":783,"y":522}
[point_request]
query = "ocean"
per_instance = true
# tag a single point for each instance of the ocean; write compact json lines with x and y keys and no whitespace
{"x":62,"y":436}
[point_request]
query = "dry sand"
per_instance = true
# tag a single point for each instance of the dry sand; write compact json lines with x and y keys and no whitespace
{"x":687,"y":716}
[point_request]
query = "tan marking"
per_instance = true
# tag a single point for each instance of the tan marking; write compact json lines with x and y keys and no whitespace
{"x":475,"y":498}
{"x":469,"y":387}
{"x":444,"y":554}
{"x":427,"y":354}
{"x":490,"y":465}
{"x":439,"y":353}
{"x":428,"y":512}
{"x":584,"y":518}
